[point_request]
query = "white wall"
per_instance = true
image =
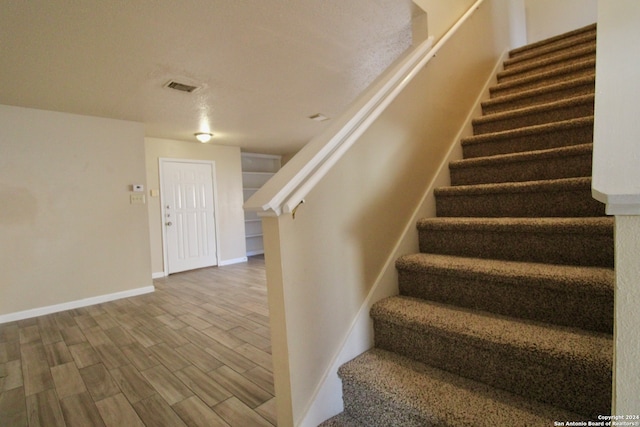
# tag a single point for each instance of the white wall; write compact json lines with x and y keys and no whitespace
{"x":441,"y":15}
{"x":326,"y":266}
{"x":548,"y":18}
{"x":616,"y":174}
{"x":616,"y":179}
{"x":67,"y":228}
{"x":627,"y":334}
{"x":230,"y":215}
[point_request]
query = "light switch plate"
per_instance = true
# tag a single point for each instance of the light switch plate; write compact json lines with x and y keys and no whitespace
{"x":137,"y":199}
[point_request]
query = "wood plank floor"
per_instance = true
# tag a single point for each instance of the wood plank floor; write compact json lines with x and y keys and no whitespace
{"x":196,"y":352}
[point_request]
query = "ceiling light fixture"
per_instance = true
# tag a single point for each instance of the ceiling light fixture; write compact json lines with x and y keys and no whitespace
{"x":203,"y":136}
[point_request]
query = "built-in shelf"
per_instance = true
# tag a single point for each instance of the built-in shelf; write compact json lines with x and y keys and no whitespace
{"x":256,"y":170}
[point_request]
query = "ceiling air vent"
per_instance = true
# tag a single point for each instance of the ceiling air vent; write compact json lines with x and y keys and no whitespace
{"x":182,"y":87}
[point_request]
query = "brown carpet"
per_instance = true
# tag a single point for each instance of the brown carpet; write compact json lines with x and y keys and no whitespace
{"x":505,"y":317}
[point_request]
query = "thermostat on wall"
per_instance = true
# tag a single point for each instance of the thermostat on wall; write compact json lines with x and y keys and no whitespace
{"x":138,"y":187}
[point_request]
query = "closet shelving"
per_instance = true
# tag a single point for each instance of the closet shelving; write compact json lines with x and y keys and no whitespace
{"x":256,"y":170}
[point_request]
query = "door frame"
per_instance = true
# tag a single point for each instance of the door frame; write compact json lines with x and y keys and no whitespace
{"x":161,"y":162}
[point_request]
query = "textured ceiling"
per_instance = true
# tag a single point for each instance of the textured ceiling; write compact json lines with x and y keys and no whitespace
{"x":264,"y":65}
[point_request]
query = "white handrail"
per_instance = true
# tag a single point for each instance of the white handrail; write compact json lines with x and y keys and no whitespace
{"x":288,"y":188}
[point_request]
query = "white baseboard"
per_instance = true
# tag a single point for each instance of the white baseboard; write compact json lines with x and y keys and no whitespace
{"x":161,"y":274}
{"x":232,"y":261}
{"x":41,"y":311}
{"x":252,"y":253}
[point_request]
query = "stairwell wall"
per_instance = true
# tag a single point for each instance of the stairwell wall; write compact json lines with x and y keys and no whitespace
{"x":616,"y":180}
{"x":328,"y":265}
{"x":548,"y":18}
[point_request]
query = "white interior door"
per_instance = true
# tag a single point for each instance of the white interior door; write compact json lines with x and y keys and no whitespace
{"x":188,"y":215}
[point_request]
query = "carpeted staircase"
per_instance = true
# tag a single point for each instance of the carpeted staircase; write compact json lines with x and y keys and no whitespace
{"x":505,"y":317}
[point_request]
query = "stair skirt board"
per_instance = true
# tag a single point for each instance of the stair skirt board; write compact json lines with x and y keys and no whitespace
{"x":506,"y":313}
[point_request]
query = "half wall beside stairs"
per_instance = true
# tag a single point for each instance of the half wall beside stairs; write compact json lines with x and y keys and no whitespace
{"x":327,"y":266}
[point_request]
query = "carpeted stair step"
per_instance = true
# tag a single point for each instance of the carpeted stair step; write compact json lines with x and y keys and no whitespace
{"x":554,"y":163}
{"x":550,"y":63}
{"x":565,"y":45}
{"x":383,"y":389}
{"x":540,"y":137}
{"x":562,"y":39}
{"x":568,"y":89}
{"x":566,"y":109}
{"x":567,"y":241}
{"x":556,"y":75}
{"x":566,"y":197}
{"x":565,"y":367}
{"x":574,"y":296}
{"x":341,"y":420}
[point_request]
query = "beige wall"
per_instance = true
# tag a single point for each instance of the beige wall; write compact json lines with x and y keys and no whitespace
{"x":441,"y":15}
{"x":627,"y":332}
{"x":67,"y":228}
{"x":230,"y":216}
{"x":616,"y":179}
{"x":547,"y":18}
{"x":327,"y":266}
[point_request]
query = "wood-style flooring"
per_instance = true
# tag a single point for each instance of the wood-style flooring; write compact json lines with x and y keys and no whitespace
{"x":196,"y":352}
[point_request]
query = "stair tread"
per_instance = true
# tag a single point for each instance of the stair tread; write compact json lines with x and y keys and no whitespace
{"x":548,"y":344}
{"x":591,"y":225}
{"x":549,"y":40}
{"x":505,"y":99}
{"x":588,"y":37}
{"x":549,"y":185}
{"x":595,"y":280}
{"x":547,"y":61}
{"x":341,"y":420}
{"x":529,"y":130}
{"x":523,"y":156}
{"x":544,"y":75}
{"x":576,"y":296}
{"x":441,"y":397}
{"x":524,"y":111}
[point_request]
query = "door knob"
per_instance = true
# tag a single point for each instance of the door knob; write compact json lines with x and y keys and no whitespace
{"x":169,"y":224}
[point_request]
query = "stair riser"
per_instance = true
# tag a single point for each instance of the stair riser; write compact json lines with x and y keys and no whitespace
{"x":528,"y":84}
{"x":374,"y":410}
{"x":550,"y":52}
{"x":532,"y":69}
{"x":531,"y":170}
{"x":522,"y":299}
{"x":582,"y":134}
{"x":545,"y":380}
{"x":583,"y":109}
{"x":566,"y":249}
{"x":569,"y":203}
{"x":525,"y":50}
{"x":539,"y":98}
